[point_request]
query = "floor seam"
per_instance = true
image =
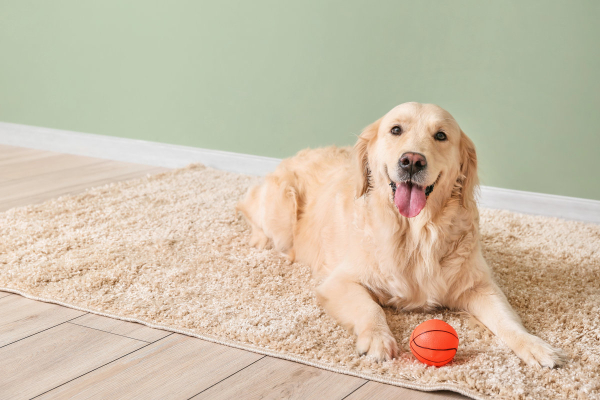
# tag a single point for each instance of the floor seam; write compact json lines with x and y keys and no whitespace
{"x":43,"y":330}
{"x":363,"y":384}
{"x":103,"y":365}
{"x":227,"y":377}
{"x":112,"y":333}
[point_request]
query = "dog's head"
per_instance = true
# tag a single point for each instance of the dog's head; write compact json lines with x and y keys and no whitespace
{"x":418,"y":151}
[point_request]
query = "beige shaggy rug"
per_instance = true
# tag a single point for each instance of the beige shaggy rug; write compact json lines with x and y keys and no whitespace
{"x":169,"y":251}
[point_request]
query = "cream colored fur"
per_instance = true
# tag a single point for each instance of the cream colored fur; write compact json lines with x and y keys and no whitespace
{"x":333,"y":208}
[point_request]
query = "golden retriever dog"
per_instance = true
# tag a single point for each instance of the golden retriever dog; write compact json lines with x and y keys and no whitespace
{"x":390,"y":222}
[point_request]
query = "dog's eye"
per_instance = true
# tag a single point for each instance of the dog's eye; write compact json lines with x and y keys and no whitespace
{"x":441,"y":136}
{"x":397,"y":130}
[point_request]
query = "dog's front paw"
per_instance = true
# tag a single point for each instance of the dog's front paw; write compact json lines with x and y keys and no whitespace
{"x":379,"y":344}
{"x":534,"y":351}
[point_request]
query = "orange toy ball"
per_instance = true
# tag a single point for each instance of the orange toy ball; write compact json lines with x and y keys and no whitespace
{"x":434,"y":342}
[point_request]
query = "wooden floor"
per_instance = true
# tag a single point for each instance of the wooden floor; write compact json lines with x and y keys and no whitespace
{"x":53,"y":352}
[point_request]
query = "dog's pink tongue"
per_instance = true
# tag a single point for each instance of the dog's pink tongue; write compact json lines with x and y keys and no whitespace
{"x":410,"y":199}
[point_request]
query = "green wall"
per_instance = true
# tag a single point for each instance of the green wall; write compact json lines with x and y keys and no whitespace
{"x":271,"y":77}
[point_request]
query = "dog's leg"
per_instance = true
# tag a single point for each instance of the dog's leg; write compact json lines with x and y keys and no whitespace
{"x":271,"y":210}
{"x":488,"y":304}
{"x":353,"y":307}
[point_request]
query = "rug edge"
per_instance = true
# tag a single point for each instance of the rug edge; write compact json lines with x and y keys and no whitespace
{"x":228,"y":343}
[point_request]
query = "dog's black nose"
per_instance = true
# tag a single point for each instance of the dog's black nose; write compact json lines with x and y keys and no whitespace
{"x":412,"y":162}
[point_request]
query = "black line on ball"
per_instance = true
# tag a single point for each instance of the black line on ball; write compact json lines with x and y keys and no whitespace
{"x":435,"y":330}
{"x":429,"y":348}
{"x":441,"y":361}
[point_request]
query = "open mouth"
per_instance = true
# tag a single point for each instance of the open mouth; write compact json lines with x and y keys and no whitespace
{"x":411,"y":198}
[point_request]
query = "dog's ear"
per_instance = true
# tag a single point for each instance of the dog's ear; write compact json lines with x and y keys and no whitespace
{"x":468,"y":170}
{"x":361,"y":157}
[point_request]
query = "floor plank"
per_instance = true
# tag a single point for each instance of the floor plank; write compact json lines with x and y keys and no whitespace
{"x":380,"y":391}
{"x":26,"y":167}
{"x":176,"y":367}
{"x":8,"y":158}
{"x":273,"y":378}
{"x":123,"y":328}
{"x":21,"y":317}
{"x":40,"y":362}
{"x":39,"y":188}
{"x":10,"y":153}
{"x":4,"y":294}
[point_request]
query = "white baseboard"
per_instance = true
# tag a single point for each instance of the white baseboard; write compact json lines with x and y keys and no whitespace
{"x":174,"y":156}
{"x":131,"y":150}
{"x":550,"y":205}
